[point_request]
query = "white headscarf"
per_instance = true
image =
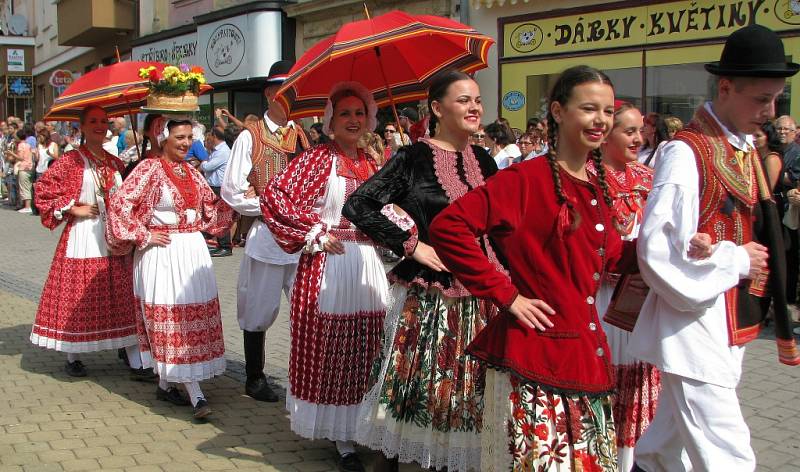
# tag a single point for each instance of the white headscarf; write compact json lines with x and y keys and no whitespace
{"x":361,"y":92}
{"x":160,"y":125}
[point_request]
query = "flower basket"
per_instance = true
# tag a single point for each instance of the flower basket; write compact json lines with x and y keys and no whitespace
{"x":175,"y":88}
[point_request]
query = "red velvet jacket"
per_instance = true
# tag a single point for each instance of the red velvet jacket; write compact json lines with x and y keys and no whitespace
{"x":519,"y":210}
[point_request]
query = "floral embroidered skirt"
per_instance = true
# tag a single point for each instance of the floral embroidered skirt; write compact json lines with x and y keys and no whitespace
{"x":529,"y":429}
{"x":180,"y":324}
{"x":426,"y":400}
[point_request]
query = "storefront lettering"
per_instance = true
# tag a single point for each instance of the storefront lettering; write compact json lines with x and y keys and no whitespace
{"x":596,"y":31}
{"x":730,"y":15}
{"x":654,"y":22}
{"x":171,"y":55}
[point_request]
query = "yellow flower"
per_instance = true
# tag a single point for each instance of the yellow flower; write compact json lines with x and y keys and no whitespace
{"x":170,"y":72}
{"x":144,"y":72}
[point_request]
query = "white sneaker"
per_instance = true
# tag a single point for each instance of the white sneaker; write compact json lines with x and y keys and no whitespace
{"x":25,"y":210}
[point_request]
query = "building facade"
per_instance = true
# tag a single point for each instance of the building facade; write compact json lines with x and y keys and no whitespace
{"x":234,"y":42}
{"x":653,"y":51}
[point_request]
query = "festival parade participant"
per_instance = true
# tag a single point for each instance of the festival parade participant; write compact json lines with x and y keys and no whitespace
{"x":700,"y":314}
{"x":545,"y":410}
{"x":637,"y":383}
{"x":161,"y":209}
{"x":260,"y":152}
{"x":338,"y":302}
{"x":87,"y":303}
{"x":432,"y":317}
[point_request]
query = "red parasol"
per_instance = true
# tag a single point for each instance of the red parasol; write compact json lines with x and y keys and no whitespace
{"x":395,"y":56}
{"x":117,"y":88}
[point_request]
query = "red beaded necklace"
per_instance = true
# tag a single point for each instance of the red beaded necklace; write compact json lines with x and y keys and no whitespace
{"x":184,"y":183}
{"x":361,"y":168}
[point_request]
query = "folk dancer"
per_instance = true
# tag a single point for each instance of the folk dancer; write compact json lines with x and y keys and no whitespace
{"x":338,"y":302}
{"x":161,"y":210}
{"x":260,"y":152}
{"x":87,"y":303}
{"x":700,"y":314}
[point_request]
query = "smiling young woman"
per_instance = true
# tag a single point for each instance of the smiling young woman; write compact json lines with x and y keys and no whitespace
{"x":161,"y":210}
{"x":544,"y":410}
{"x":432,"y":316}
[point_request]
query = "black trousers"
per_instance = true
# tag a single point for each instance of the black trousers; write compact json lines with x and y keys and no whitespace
{"x":224,"y":241}
{"x":792,"y":265}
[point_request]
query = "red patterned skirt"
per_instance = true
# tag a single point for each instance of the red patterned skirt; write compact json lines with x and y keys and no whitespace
{"x":337,"y":313}
{"x":87,"y":304}
{"x":179,"y":325}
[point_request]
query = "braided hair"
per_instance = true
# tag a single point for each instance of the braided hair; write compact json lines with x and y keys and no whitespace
{"x":437,"y":91}
{"x":561,"y":93}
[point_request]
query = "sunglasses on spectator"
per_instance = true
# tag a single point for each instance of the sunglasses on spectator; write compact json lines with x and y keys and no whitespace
{"x":478,"y":136}
{"x":389,"y":131}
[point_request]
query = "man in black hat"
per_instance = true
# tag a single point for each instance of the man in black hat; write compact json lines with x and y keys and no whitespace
{"x":700,"y":313}
{"x":266,"y":270}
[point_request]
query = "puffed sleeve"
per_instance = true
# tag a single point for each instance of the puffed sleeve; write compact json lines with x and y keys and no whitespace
{"x":365,"y":207}
{"x":131,"y":207}
{"x":495,"y":208}
{"x":288,"y":200}
{"x":670,"y":221}
{"x":59,"y":189}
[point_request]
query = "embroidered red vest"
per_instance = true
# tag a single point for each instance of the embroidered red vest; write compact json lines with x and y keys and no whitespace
{"x":271,"y":152}
{"x":736,"y":205}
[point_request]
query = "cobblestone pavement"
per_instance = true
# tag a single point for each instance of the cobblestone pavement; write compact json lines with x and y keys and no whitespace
{"x":49,"y":421}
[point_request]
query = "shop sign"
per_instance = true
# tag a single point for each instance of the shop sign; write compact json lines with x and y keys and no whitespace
{"x":60,"y":79}
{"x":241,"y":47}
{"x":171,"y":51}
{"x":15,"y":58}
{"x":513,"y":100}
{"x":641,"y":25}
{"x":225,"y":49}
{"x":19,"y":86}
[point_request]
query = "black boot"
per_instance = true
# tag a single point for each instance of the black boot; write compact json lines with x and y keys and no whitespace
{"x":256,"y":385}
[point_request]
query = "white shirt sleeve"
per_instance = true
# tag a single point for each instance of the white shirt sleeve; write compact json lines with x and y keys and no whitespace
{"x":235,"y":184}
{"x":670,"y":221}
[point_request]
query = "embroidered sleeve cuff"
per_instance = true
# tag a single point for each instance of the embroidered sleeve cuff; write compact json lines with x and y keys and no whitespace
{"x":404,"y":222}
{"x":145,"y":242}
{"x":316,"y":238}
{"x":410,"y":245}
{"x":59,"y":213}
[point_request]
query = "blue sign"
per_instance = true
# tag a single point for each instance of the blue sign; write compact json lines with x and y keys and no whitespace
{"x":513,"y":101}
{"x":19,"y":86}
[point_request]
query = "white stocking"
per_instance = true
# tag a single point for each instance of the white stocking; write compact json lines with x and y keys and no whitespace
{"x":163,"y":384}
{"x":134,"y":357}
{"x":345,"y":447}
{"x":72,"y":357}
{"x":195,"y":394}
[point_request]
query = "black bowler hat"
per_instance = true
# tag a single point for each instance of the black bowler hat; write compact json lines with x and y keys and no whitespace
{"x":279,"y":72}
{"x":753,"y":51}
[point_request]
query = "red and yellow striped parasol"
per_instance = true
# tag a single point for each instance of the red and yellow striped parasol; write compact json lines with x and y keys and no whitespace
{"x":395,"y":56}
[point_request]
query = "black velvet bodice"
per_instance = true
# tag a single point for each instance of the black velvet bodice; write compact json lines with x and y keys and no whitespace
{"x":409,"y":180}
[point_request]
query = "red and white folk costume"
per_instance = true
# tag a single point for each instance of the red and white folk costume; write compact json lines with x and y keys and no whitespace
{"x":180,"y":328}
{"x":637,"y":382}
{"x":699,"y":314}
{"x":87,"y":302}
{"x":338,"y":301}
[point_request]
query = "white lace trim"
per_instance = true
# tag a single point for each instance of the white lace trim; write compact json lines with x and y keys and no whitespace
{"x":182,"y":373}
{"x":458,"y":451}
{"x":59,"y":213}
{"x":496,"y":413}
{"x":316,"y":421}
{"x":90,"y":346}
